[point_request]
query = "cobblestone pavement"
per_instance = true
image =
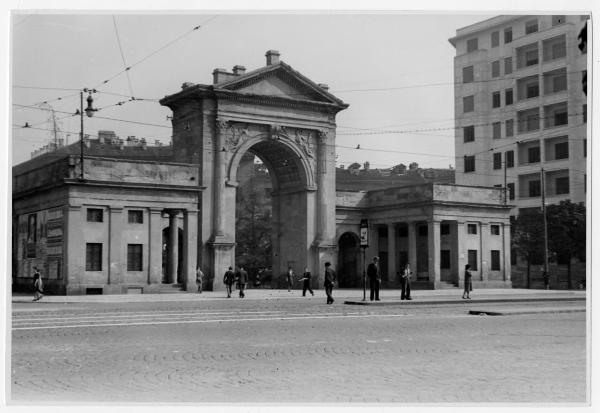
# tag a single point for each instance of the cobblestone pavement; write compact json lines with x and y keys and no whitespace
{"x":294,"y":351}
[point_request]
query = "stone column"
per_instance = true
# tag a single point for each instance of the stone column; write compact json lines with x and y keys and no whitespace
{"x":117,"y":260}
{"x":392,"y":253}
{"x":190,"y":239}
{"x":412,"y":247}
{"x":73,"y":249}
{"x":172,"y":252}
{"x":433,"y":240}
{"x":326,"y":188}
{"x":155,"y":246}
{"x":507,"y":252}
{"x":219,"y":183}
{"x":485,"y":254}
{"x":461,"y":251}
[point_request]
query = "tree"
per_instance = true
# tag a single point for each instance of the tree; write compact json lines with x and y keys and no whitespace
{"x":566,"y":232}
{"x":253,"y":226}
{"x":528,"y":237}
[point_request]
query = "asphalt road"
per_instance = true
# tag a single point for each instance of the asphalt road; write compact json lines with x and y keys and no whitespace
{"x":295,"y":351}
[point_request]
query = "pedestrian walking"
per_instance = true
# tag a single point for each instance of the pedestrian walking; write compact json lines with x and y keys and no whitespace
{"x":468,"y":282}
{"x":374,"y":278}
{"x":38,"y":286}
{"x":406,"y":274}
{"x":330,"y":278}
{"x":228,"y":281}
{"x":199,"y":276}
{"x":546,"y":277}
{"x":242,"y":280}
{"x":258,"y":278}
{"x":290,"y":278}
{"x":306,"y":282}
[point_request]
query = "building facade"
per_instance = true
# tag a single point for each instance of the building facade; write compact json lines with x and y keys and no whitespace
{"x":131,"y":218}
{"x":520,"y":107}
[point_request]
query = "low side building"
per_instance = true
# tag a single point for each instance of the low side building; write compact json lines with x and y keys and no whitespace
{"x":128,"y":226}
{"x":436,"y":228}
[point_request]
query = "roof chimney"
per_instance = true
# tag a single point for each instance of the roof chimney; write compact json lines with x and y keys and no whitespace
{"x":239,"y":70}
{"x":272,"y":57}
{"x":221,"y":75}
{"x":324,"y":86}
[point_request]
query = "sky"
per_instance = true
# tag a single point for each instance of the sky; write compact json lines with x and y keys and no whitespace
{"x":394,"y":69}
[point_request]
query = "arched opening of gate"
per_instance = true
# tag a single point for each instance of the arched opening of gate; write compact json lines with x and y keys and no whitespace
{"x":349,"y":274}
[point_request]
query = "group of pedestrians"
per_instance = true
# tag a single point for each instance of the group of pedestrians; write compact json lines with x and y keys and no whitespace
{"x":306,"y":277}
{"x":374,"y":275}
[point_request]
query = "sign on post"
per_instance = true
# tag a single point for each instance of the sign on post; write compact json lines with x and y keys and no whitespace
{"x":364,"y":233}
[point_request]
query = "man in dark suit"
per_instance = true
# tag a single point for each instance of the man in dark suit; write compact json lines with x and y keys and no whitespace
{"x":374,"y":278}
{"x":242,"y":279}
{"x":228,"y":280}
{"x":330,"y":278}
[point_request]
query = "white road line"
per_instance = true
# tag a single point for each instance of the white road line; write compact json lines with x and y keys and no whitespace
{"x":132,"y":315}
{"x":208,"y":321}
{"x":157,"y":319}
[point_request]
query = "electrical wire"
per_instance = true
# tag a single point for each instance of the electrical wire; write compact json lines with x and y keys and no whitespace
{"x":122,"y":55}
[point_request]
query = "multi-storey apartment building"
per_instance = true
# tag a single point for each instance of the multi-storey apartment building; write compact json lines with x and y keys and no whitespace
{"x":520,"y":107}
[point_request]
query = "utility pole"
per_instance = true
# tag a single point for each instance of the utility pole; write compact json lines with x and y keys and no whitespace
{"x":543,"y":184}
{"x":81,"y":134}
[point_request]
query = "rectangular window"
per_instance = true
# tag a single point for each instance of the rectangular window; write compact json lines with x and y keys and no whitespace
{"x":93,"y":257}
{"x":585,"y":113}
{"x":535,"y":188}
{"x":472,"y":229}
{"x":495,"y":39}
{"x":472,"y":258}
{"x":511,"y":190}
{"x":422,"y":230}
{"x":467,"y":74}
{"x":497,"y":130}
{"x":508,"y":97}
{"x":532,"y":90}
{"x":508,"y":65}
{"x":469,"y":163}
{"x":555,"y":81}
{"x":508,"y":35}
{"x":445,"y":259}
{"x":472,"y":45}
{"x":495,"y":229}
{"x":496,"y":99}
{"x":496,"y":68}
{"x":533,"y":154}
{"x":495,"y":255}
{"x":510,"y":159}
{"x":468,"y":134}
{"x":531,"y":57}
{"x":585,"y":148}
{"x":556,"y":20}
{"x":444,"y":229}
{"x":498,"y":160}
{"x":510,"y":127}
{"x":134,"y":257}
{"x":94,"y":215}
{"x":528,"y":120}
{"x":554,"y":48}
{"x":531,"y":26}
{"x":561,"y":150}
{"x":135,"y":217}
{"x":556,"y":115}
{"x":468,"y":104}
{"x":562,"y":185}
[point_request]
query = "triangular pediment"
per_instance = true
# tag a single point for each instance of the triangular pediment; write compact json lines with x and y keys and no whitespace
{"x":279,"y":81}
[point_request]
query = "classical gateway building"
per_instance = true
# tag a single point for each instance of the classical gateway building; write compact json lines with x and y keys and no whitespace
{"x":128,"y":219}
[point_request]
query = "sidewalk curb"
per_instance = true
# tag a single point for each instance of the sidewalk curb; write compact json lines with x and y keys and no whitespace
{"x":519,"y":312}
{"x":458,"y":301}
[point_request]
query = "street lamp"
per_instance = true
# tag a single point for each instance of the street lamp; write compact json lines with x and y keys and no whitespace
{"x":89,"y":111}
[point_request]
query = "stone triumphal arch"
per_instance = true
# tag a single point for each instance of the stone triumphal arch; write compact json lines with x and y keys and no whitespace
{"x":286,"y":120}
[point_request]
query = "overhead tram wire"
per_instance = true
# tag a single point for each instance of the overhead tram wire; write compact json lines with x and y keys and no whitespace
{"x":156,"y":51}
{"x":122,"y":55}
